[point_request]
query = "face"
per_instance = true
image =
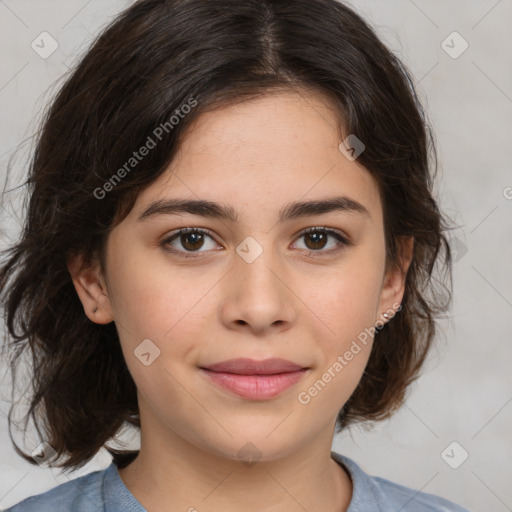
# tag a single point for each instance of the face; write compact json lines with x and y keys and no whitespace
{"x":252,"y":284}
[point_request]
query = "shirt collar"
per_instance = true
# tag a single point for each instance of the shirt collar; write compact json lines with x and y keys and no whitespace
{"x":116,"y":495}
{"x":363,"y":495}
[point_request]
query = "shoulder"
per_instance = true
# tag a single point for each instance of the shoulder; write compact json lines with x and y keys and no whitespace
{"x":376,"y":493}
{"x":81,"y":494}
{"x":415,"y":500}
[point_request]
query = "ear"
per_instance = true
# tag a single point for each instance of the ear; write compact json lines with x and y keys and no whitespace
{"x":91,"y":288}
{"x":393,"y":286}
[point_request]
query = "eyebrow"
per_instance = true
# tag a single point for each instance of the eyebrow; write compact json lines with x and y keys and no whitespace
{"x":214,"y":210}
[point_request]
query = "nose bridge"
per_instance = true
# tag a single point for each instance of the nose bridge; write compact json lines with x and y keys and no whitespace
{"x":257,"y":264}
{"x":258,"y":295}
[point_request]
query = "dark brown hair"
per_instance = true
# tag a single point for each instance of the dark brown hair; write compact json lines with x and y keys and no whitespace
{"x":139,"y":72}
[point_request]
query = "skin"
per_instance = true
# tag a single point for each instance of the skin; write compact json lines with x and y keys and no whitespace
{"x":290,"y":302}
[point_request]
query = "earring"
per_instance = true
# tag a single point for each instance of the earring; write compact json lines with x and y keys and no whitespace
{"x":95,"y":309}
{"x":385,"y":315}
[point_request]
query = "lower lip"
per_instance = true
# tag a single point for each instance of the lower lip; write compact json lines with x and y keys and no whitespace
{"x":255,"y":387}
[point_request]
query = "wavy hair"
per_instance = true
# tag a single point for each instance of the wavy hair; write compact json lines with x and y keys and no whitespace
{"x":139,"y":72}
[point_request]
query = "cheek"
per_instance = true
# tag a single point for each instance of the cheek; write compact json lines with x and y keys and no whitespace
{"x":346,"y":298}
{"x":346,"y":302}
{"x":166,"y":306}
{"x":341,"y":366}
{"x":153,"y":299}
{"x":157,"y":314}
{"x":342,"y":355}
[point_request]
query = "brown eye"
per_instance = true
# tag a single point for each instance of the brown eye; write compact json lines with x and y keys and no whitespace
{"x":188,"y":240}
{"x":316,"y":239}
{"x":192,"y":241}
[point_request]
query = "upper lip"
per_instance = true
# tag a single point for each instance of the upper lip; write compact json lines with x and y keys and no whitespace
{"x":244,"y":366}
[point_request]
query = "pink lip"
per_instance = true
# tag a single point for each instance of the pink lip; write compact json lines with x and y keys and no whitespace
{"x":255,"y":380}
{"x":255,"y":387}
{"x":244,"y":366}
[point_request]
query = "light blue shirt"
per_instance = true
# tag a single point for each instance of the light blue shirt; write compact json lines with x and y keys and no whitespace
{"x":104,"y":491}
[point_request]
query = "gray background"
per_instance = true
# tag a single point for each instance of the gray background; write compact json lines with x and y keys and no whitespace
{"x":465,"y":393}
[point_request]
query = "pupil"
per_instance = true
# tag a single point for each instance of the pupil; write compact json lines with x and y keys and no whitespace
{"x":195,"y":238}
{"x":319,"y":239}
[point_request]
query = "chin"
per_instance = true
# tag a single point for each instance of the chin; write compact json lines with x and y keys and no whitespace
{"x":256,"y":444}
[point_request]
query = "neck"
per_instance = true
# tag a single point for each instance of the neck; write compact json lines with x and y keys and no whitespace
{"x":186,"y":473}
{"x":307,"y":479}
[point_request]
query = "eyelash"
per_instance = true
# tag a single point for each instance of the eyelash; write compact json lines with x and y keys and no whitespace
{"x":342,"y":241}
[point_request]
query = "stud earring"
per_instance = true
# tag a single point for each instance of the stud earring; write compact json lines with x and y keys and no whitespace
{"x":385,"y":315}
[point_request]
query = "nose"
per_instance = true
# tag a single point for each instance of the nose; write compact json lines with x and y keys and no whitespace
{"x":258,"y":296}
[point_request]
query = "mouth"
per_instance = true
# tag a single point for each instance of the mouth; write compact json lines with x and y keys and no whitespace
{"x":255,"y":380}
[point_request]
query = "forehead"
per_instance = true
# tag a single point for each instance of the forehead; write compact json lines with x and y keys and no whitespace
{"x":260,"y":154}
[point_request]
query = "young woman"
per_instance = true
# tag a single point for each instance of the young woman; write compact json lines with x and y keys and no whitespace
{"x":230,"y":244}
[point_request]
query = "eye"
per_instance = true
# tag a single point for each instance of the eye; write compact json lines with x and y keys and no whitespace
{"x":191,"y":239}
{"x":317,"y":239}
